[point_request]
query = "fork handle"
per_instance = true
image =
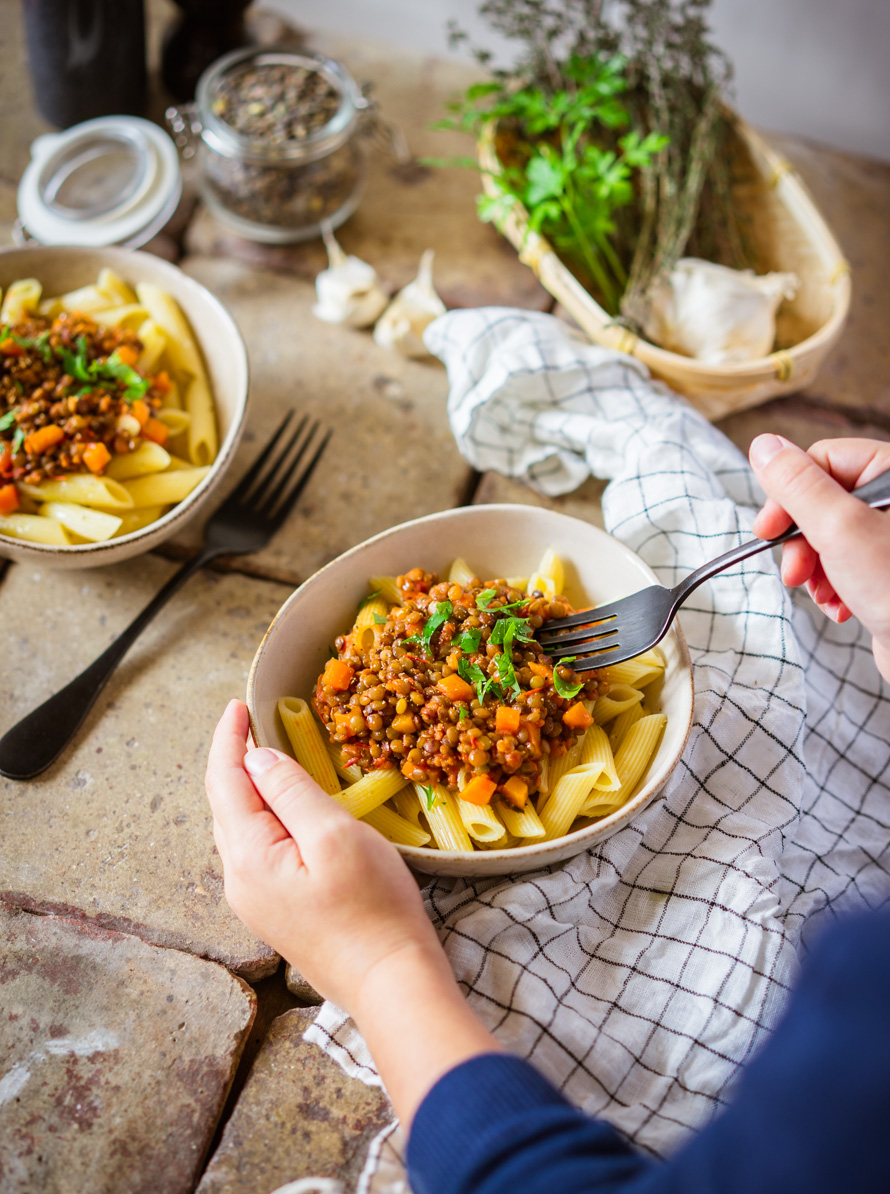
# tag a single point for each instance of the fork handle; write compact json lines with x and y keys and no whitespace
{"x":875,"y":493}
{"x":35,"y":742}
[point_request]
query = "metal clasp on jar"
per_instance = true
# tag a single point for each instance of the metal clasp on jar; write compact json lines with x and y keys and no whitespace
{"x":185,"y":128}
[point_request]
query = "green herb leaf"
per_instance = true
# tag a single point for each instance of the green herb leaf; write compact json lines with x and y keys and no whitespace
{"x":462,"y":713}
{"x":565,"y":690}
{"x":18,"y":385}
{"x":7,"y":420}
{"x":38,"y":344}
{"x":468,"y":640}
{"x":379,"y":620}
{"x":443,"y":611}
{"x":367,"y":600}
{"x":430,"y":794}
{"x":471,"y":672}
{"x":485,"y":598}
{"x":114,"y":367}
{"x":17,"y":440}
{"x":76,"y":364}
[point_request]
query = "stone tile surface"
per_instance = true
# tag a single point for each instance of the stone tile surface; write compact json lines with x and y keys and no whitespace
{"x":115,"y":1058}
{"x":298,"y":1116}
{"x":392,"y":456}
{"x":119,"y":830}
{"x":406,"y":207}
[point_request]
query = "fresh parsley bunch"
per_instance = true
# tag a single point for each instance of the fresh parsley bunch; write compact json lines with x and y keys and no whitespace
{"x":564,"y":161}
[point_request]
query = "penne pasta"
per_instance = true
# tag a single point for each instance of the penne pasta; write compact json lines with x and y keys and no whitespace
{"x":20,"y":300}
{"x":186,"y":357}
{"x":636,"y":750}
{"x":309,"y":747}
{"x":366,"y":622}
{"x":148,"y":458}
{"x":387,"y":588}
{"x":162,"y":489}
{"x":35,"y":528}
{"x":618,"y":699}
{"x":350,"y":774}
{"x":443,"y":818}
{"x":549,"y":576}
{"x":83,"y":489}
{"x":481,"y":821}
{"x":135,"y":520}
{"x":130,"y":316}
{"x":175,"y":419}
{"x":396,"y":828}
{"x":370,"y":792}
{"x":116,"y":289}
{"x":636,"y":672}
{"x":622,"y":724}
{"x":460,"y":572}
{"x":597,"y":770}
{"x":521,"y":823}
{"x":91,"y":525}
{"x":86,"y":300}
{"x":154,"y":342}
{"x":407,"y":805}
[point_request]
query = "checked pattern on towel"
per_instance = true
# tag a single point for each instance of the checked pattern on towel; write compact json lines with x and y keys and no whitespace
{"x":638,"y":976}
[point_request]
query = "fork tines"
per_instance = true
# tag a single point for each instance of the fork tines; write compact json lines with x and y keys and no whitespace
{"x":593,"y":631}
{"x":276,"y":479}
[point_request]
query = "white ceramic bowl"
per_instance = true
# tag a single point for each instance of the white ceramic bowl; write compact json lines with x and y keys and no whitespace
{"x":498,"y":540}
{"x":60,"y":269}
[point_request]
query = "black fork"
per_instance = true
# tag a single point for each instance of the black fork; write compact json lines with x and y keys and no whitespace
{"x":245,"y":522}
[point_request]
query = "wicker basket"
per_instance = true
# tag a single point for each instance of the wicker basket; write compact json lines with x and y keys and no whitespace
{"x":787,"y":233}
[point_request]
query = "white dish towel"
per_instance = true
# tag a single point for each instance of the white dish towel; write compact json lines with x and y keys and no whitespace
{"x":639,"y":975}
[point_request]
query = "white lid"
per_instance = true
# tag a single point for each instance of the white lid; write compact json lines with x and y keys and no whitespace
{"x":110,"y":181}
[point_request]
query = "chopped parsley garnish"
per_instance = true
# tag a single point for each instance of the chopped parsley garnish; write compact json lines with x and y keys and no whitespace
{"x":565,"y":690}
{"x":18,"y":385}
{"x":505,"y":630}
{"x":40,"y":344}
{"x":367,"y":600}
{"x":379,"y":620}
{"x":485,"y":598}
{"x":114,"y":367}
{"x":430,"y":794}
{"x":469,"y":640}
{"x":507,"y":673}
{"x":76,"y":364}
{"x":7,"y":420}
{"x":17,"y":440}
{"x":442,"y":613}
{"x":473,"y":674}
{"x":462,"y":713}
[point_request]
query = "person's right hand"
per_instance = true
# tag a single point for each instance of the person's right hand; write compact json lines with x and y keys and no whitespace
{"x":844,"y":557}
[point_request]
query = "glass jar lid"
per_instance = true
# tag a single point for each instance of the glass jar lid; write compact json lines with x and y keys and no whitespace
{"x":277,"y":105}
{"x":111,"y":181}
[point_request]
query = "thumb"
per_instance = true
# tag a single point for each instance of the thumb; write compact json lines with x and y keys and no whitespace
{"x":298,"y":802}
{"x":825,"y":512}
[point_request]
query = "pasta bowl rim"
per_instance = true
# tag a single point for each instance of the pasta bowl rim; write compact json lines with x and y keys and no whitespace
{"x":518,"y":859}
{"x":175,"y":281}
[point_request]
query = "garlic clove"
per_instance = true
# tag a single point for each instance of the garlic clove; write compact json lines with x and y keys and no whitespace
{"x":402,"y":324}
{"x":718,"y":315}
{"x":349,"y":290}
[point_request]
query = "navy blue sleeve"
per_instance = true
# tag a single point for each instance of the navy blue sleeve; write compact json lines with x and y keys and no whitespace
{"x":809,"y":1115}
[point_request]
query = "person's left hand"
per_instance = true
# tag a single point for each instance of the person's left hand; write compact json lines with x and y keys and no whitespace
{"x":326,"y":891}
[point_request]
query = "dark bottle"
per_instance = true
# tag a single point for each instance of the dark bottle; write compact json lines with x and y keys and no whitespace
{"x":87,"y":58}
{"x":205,"y":31}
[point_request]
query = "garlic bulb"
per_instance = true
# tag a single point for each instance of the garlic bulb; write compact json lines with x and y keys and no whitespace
{"x":402,"y":324}
{"x":718,"y":315}
{"x":348,"y":290}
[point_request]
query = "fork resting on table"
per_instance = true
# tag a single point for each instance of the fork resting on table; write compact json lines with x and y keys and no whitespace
{"x":622,"y":629}
{"x":245,"y":522}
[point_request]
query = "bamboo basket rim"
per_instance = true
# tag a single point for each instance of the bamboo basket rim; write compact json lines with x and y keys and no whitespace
{"x":536,"y":251}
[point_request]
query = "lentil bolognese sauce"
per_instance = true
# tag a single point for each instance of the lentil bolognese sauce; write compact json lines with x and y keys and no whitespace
{"x":453,"y":689}
{"x":71,"y":398}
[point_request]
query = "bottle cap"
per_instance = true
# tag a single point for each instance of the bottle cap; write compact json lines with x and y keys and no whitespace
{"x":111,"y":181}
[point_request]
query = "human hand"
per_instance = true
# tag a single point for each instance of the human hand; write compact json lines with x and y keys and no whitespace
{"x":326,"y":891}
{"x":844,"y":556}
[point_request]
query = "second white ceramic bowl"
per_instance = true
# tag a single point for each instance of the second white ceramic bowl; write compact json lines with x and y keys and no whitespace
{"x":496,"y":540}
{"x":61,"y":269}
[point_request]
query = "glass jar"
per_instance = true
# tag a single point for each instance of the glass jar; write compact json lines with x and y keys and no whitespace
{"x":279,"y":142}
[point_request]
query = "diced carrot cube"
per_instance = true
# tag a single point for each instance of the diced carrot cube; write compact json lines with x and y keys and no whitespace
{"x":479,"y":790}
{"x":127,"y":353}
{"x":156,"y":431}
{"x":95,"y":457}
{"x":516,"y":791}
{"x":403,"y":723}
{"x":9,"y":348}
{"x":141,"y":411}
{"x":577,"y":717}
{"x":455,"y":687}
{"x":337,"y":675}
{"x":9,"y":499}
{"x":542,"y":669}
{"x":506,"y":720}
{"x":161,"y":382}
{"x":41,"y":439}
